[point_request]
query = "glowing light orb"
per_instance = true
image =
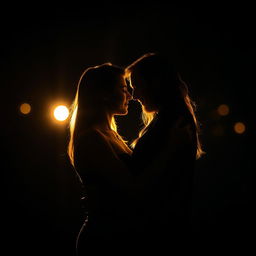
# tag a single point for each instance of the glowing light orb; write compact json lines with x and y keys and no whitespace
{"x":223,"y":110}
{"x":25,"y":108}
{"x":61,"y":113}
{"x":239,"y":127}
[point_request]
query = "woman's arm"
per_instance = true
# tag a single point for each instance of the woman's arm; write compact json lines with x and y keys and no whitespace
{"x":95,"y":157}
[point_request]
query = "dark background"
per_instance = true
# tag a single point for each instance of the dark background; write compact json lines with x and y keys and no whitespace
{"x":44,"y":50}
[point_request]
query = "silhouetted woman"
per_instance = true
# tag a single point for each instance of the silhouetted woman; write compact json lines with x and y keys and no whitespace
{"x":170,"y":121}
{"x":102,"y":161}
{"x":99,"y":155}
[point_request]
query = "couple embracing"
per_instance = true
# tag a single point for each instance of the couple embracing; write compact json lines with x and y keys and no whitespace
{"x":138,"y":194}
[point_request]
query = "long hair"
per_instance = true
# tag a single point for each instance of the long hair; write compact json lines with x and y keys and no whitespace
{"x":94,"y":84}
{"x":171,"y":95}
{"x":192,"y":107}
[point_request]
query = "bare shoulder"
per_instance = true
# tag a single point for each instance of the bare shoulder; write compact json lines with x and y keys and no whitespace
{"x":90,"y":146}
{"x":94,"y":154}
{"x":89,"y":132}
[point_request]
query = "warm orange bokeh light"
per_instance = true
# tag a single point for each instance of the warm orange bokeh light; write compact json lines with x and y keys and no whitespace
{"x":223,"y":110}
{"x":25,"y":108}
{"x":61,"y":113}
{"x":239,"y":127}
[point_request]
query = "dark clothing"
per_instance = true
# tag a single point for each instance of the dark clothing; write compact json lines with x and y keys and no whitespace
{"x":166,"y":209}
{"x":118,"y":224}
{"x":109,"y":217}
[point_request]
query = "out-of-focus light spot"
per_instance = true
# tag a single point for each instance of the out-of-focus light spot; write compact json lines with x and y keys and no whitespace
{"x":25,"y":108}
{"x":61,"y":113}
{"x":239,"y":127}
{"x":223,"y":110}
{"x":218,"y":130}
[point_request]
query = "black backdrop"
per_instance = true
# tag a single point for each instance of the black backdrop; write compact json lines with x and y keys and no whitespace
{"x":44,"y":51}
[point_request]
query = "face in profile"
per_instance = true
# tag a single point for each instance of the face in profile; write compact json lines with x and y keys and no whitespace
{"x":120,"y":97}
{"x":141,"y":93}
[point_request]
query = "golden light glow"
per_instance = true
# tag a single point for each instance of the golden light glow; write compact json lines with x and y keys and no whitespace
{"x":25,"y":108}
{"x":61,"y":113}
{"x":223,"y":110}
{"x":239,"y":127}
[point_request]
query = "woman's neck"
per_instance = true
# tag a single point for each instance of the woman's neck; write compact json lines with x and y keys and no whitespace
{"x":102,"y":122}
